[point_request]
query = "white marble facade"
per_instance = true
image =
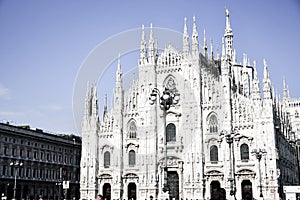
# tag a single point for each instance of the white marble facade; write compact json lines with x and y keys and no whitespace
{"x":122,"y":152}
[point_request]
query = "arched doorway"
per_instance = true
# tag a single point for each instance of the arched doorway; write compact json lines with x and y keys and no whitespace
{"x":215,"y":190}
{"x":131,"y":190}
{"x":247,"y":190}
{"x":173,"y":182}
{"x":107,"y":191}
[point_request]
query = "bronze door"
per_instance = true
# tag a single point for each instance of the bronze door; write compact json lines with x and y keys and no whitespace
{"x":173,"y":181}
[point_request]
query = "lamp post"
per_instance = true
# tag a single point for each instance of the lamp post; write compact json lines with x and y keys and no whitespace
{"x":16,"y":164}
{"x":166,"y":100}
{"x":229,"y":139}
{"x":258,"y":154}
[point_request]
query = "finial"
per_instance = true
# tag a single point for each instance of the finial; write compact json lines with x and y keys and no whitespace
{"x":105,"y":101}
{"x":211,"y":49}
{"x":185,"y":26}
{"x":265,"y":63}
{"x":119,"y":62}
{"x":244,"y":60}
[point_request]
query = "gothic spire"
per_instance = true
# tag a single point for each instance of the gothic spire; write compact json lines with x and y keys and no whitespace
{"x":284,"y":89}
{"x":94,"y":101}
{"x":267,"y":82}
{"x":119,"y":71}
{"x":143,"y":50}
{"x":195,"y":42}
{"x":186,"y":44}
{"x":105,"y":105}
{"x":204,"y":44}
{"x":87,"y":111}
{"x":228,"y":36}
{"x":255,"y":85}
{"x":211,"y":50}
{"x":151,"y":45}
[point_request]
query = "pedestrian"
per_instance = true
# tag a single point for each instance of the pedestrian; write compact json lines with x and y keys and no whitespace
{"x":99,"y":197}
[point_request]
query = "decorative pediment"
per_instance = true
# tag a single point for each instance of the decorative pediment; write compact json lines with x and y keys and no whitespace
{"x":214,"y":173}
{"x":131,"y":176}
{"x":172,"y":161}
{"x":132,"y":146}
{"x":105,"y":176}
{"x":106,"y":148}
{"x":245,"y":172}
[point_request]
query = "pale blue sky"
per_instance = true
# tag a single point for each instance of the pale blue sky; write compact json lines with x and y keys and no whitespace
{"x":44,"y":43}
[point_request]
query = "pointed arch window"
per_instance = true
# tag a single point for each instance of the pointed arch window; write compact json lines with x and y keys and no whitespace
{"x":213,"y":124}
{"x":244,"y":150}
{"x":171,"y":132}
{"x":106,"y":159}
{"x":131,"y":158}
{"x":132,"y":129}
{"x":214,"y":153}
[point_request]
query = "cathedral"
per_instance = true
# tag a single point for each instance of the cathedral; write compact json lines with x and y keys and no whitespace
{"x":192,"y":126}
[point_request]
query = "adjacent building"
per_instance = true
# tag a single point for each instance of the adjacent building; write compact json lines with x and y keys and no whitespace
{"x":228,"y":137}
{"x":39,"y":162}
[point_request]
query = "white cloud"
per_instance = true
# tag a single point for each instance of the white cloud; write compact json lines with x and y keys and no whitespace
{"x":4,"y":92}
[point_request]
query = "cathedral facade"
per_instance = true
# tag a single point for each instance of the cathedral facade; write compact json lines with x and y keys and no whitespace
{"x":228,"y":137}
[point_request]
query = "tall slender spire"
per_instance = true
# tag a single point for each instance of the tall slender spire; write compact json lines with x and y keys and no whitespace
{"x":284,"y":89}
{"x":267,"y":82}
{"x":87,"y":111}
{"x":186,"y":43}
{"x":211,"y":50}
{"x":195,"y":42}
{"x":255,"y":85}
{"x":151,"y":45}
{"x":94,"y":101}
{"x":143,"y":50}
{"x":228,"y":36}
{"x":204,"y":44}
{"x":119,"y":71}
{"x":105,"y":105}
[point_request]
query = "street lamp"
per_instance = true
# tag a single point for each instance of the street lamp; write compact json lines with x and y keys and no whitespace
{"x":16,"y":164}
{"x":166,"y":100}
{"x":229,"y":139}
{"x":258,"y":154}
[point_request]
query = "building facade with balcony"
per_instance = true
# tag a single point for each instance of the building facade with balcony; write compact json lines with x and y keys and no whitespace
{"x":228,"y":137}
{"x":44,"y":160}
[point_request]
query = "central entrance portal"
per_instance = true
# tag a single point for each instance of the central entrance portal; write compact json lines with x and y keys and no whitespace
{"x":173,"y":181}
{"x":131,"y":191}
{"x":107,"y":191}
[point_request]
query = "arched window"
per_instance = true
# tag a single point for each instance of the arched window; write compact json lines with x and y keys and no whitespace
{"x":213,"y":124}
{"x":171,"y":132}
{"x":214,"y":153}
{"x":244,"y":152}
{"x":132,"y":129}
{"x":131,"y":158}
{"x":106,"y":159}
